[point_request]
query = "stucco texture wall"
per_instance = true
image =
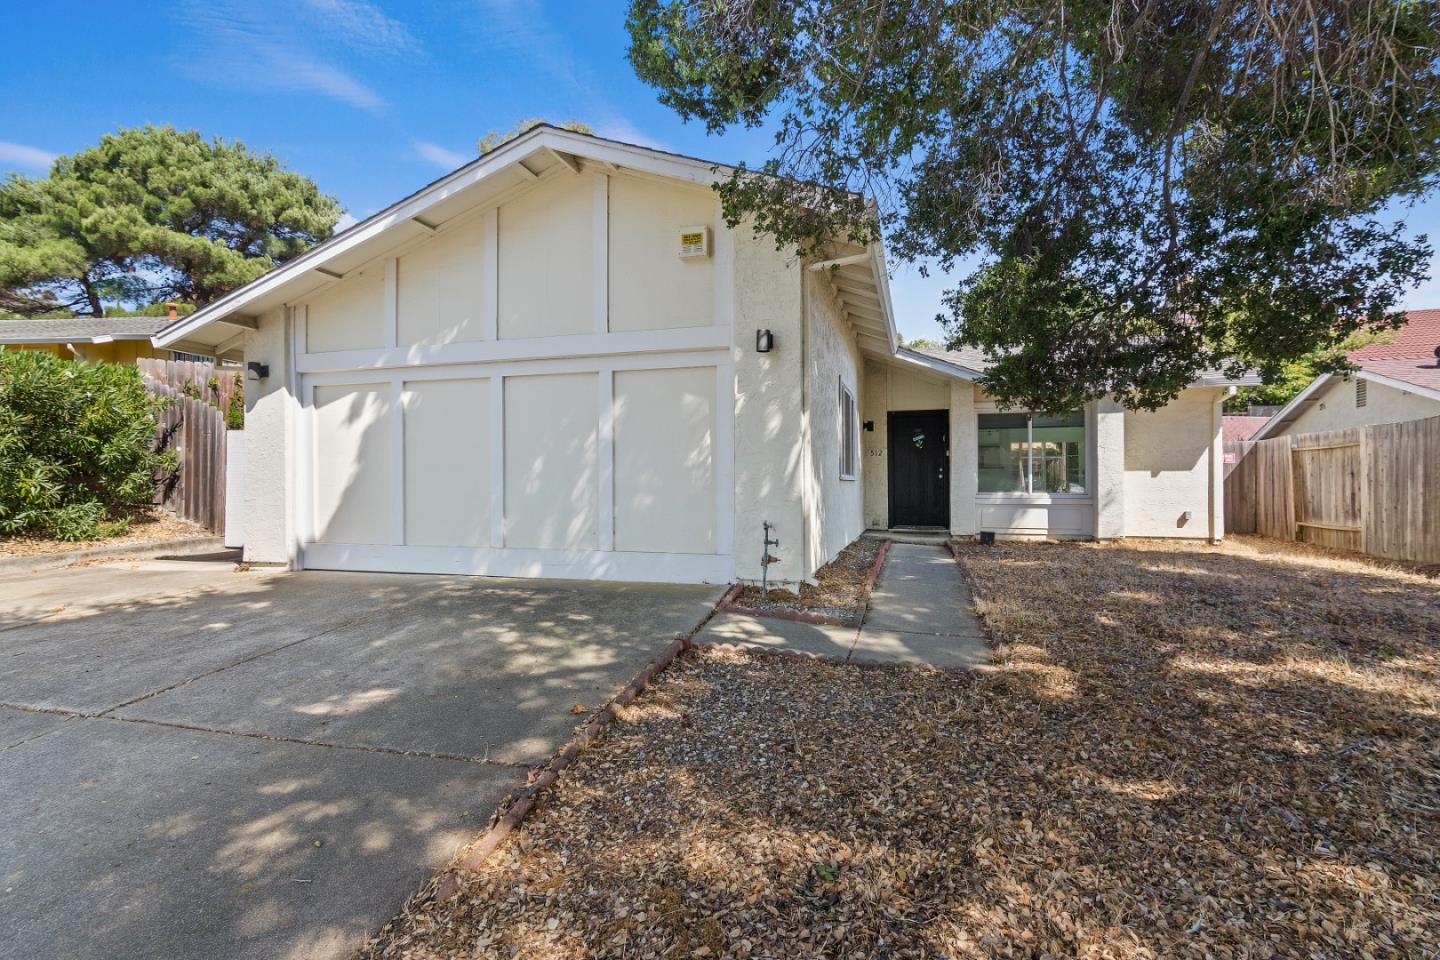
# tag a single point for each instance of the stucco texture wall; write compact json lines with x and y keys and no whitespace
{"x":270,"y":409}
{"x":1336,"y":409}
{"x":769,"y":409}
{"x":1170,"y":456}
{"x":835,"y":505}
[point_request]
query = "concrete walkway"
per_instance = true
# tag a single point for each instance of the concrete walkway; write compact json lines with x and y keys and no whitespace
{"x":920,"y":613}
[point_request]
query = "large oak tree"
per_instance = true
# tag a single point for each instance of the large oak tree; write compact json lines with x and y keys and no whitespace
{"x":1148,"y":188}
{"x":152,"y":214}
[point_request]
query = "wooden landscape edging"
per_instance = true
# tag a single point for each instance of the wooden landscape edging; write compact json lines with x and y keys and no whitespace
{"x":517,"y":807}
{"x":514,"y":809}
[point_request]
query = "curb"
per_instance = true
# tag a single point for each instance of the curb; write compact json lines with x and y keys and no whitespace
{"x":525,"y":799}
{"x":186,"y":545}
{"x":728,"y":604}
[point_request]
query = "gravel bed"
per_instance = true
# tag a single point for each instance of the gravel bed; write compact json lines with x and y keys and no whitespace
{"x":1184,"y":751}
{"x":153,"y":525}
{"x":837,"y":592}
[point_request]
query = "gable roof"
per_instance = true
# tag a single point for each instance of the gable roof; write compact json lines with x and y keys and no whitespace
{"x":81,"y":329}
{"x":974,"y":363}
{"x":1408,"y":363}
{"x":543,"y":151}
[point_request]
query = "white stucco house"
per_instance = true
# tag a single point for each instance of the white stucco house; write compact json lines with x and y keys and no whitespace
{"x":1394,"y":380}
{"x":558,"y":361}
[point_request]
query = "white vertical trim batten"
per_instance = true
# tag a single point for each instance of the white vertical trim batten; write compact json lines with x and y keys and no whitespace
{"x":397,"y":462}
{"x":601,"y":253}
{"x":723,"y":459}
{"x":605,"y":457}
{"x":724,"y":304}
{"x":490,"y":276}
{"x":497,"y":461}
{"x":302,"y":449}
{"x":392,"y":302}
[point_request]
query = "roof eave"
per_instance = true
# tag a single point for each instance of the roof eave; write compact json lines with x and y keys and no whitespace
{"x":936,"y":365}
{"x":416,"y":204}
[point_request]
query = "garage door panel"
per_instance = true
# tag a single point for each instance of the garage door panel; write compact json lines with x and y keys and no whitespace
{"x":353,"y":463}
{"x":551,"y":426}
{"x":447,"y":463}
{"x":664,"y":460}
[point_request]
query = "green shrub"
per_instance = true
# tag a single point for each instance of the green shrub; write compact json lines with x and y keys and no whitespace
{"x":77,"y":446}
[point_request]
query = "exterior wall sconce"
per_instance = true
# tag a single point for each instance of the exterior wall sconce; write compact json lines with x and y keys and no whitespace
{"x":764,"y":341}
{"x":255,"y":370}
{"x":869,"y":426}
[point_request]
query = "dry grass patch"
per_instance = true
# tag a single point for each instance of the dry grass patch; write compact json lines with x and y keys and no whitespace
{"x":1185,"y":752}
{"x":837,"y":592}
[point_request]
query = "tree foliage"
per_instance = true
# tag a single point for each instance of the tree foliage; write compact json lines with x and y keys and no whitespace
{"x":1148,"y":189}
{"x":77,"y":445}
{"x":152,"y":214}
{"x":495,"y":138}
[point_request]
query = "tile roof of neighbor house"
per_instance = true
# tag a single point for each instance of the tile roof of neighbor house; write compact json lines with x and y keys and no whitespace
{"x":80,"y":329}
{"x":1411,"y":356}
{"x":1418,"y":338}
{"x":1239,"y":427}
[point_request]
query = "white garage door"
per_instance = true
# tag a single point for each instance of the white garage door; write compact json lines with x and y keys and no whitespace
{"x":531,"y":471}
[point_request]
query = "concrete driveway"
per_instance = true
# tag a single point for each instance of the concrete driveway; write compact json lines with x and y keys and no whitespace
{"x":196,"y":761}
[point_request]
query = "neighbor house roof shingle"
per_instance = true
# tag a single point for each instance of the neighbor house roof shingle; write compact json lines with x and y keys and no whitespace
{"x":80,"y":329}
{"x":1415,"y":371}
{"x":1410,"y":357}
{"x":1418,"y":338}
{"x":1241,"y":427}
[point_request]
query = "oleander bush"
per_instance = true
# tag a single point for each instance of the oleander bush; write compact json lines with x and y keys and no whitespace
{"x":78,"y":454}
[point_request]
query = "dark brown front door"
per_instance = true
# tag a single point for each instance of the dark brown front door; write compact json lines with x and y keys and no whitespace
{"x":919,"y":458}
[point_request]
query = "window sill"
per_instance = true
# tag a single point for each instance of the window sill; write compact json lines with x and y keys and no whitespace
{"x":848,"y":476}
{"x":1034,"y":498}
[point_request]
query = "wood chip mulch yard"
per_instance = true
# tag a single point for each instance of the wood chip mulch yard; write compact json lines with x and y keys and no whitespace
{"x":837,"y":592}
{"x":1183,"y":752}
{"x":145,"y":527}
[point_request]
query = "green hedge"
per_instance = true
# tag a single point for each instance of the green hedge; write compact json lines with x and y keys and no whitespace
{"x":77,"y":446}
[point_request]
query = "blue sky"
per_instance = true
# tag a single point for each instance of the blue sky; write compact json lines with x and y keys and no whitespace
{"x":370,"y":99}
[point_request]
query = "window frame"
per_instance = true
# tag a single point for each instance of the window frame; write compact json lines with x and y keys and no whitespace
{"x":849,"y":433}
{"x":1041,"y":497}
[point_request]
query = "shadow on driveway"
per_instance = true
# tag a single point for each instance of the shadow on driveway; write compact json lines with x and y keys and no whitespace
{"x":266,"y":764}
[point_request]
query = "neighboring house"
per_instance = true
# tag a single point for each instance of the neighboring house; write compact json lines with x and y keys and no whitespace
{"x":114,"y":339}
{"x":1395,"y":381}
{"x":1241,"y":427}
{"x":558,"y":361}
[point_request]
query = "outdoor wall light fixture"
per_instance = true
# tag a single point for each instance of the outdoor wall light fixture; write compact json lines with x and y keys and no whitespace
{"x":869,"y":426}
{"x":764,"y":341}
{"x":255,"y":370}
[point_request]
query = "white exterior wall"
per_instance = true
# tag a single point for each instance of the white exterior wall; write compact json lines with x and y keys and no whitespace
{"x":836,"y":506}
{"x":964,"y":460}
{"x":270,"y":410}
{"x":1336,"y":409}
{"x":506,"y":419}
{"x":888,"y":389}
{"x":769,"y":410}
{"x":1108,"y":445}
{"x":1172,"y":462}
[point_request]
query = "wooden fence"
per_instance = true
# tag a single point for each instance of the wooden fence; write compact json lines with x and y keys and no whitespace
{"x":195,"y":428}
{"x":1373,"y":489}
